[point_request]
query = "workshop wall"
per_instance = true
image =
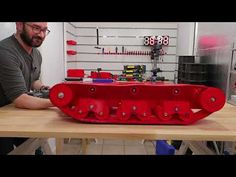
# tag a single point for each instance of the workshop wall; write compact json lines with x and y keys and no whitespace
{"x":7,"y":29}
{"x":186,"y":38}
{"x":114,"y":35}
{"x":52,"y":51}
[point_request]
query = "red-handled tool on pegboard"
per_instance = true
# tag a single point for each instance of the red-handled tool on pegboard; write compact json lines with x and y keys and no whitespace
{"x":71,"y":52}
{"x":71,"y":42}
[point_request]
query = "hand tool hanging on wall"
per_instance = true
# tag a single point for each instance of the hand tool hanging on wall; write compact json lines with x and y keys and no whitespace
{"x":71,"y":42}
{"x":71,"y":52}
{"x":116,"y":49}
{"x":97,"y":47}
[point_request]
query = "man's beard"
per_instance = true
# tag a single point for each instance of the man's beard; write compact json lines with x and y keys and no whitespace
{"x":35,"y":41}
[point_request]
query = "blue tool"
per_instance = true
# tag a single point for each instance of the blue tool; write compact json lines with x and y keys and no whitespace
{"x":102,"y":80}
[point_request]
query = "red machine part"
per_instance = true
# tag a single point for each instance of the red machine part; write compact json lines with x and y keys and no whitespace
{"x":101,"y":74}
{"x":75,"y":73}
{"x":136,"y":103}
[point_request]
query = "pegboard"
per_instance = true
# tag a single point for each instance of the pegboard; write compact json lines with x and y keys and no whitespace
{"x":114,"y":36}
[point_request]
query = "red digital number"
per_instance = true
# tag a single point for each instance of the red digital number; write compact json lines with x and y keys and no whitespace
{"x":165,"y":40}
{"x":152,"y":40}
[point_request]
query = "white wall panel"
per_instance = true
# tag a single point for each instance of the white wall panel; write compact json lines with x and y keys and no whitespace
{"x":53,"y":55}
{"x":72,"y":66}
{"x":7,"y":29}
{"x":169,"y":75}
{"x":119,"y":58}
{"x":116,"y":41}
{"x":137,"y":32}
{"x":126,"y":25}
{"x":92,"y":49}
{"x":118,"y":66}
{"x":126,"y":32}
{"x":186,"y":38}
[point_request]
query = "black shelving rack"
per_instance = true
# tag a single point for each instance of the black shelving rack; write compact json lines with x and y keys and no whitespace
{"x":190,"y":72}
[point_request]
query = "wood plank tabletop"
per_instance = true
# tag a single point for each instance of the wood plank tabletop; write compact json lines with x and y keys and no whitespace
{"x":14,"y":122}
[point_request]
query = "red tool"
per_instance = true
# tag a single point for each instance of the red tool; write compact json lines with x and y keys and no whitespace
{"x":136,"y":102}
{"x":71,"y":42}
{"x":71,"y":52}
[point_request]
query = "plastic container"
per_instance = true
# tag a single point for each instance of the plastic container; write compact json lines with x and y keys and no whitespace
{"x":163,"y":148}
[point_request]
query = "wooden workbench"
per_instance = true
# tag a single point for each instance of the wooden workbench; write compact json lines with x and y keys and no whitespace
{"x":52,"y":123}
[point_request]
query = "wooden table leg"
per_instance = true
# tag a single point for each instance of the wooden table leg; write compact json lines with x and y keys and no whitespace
{"x":27,"y":148}
{"x":30,"y":145}
{"x":59,"y":146}
{"x":84,"y":146}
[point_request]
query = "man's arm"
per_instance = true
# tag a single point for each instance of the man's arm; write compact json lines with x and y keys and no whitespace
{"x":30,"y":102}
{"x":14,"y":86}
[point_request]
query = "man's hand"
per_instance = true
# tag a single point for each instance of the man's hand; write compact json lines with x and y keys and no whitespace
{"x":38,"y":85}
{"x":44,"y":87}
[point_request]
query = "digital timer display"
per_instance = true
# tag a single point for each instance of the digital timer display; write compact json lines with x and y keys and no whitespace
{"x":153,"y":40}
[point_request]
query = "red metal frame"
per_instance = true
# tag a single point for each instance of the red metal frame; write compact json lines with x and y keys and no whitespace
{"x":136,"y":103}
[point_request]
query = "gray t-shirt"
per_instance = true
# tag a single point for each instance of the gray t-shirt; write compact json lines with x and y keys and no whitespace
{"x":18,"y":69}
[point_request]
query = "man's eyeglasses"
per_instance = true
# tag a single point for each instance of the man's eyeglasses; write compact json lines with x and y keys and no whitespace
{"x":37,"y":29}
